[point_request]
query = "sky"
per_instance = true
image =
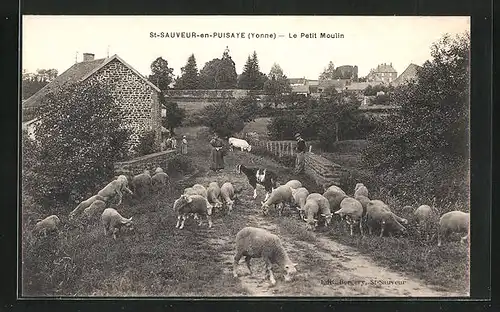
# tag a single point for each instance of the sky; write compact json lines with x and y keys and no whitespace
{"x":55,"y":41}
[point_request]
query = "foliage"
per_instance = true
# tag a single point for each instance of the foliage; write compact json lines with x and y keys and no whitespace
{"x":372,"y":90}
{"x":285,"y":160}
{"x":227,"y":118}
{"x":382,"y":99}
{"x":277,"y":86}
{"x":328,"y":73}
{"x":251,"y":78}
{"x":77,"y":142}
{"x":162,"y":75}
{"x":146,"y":144}
{"x":284,"y":126}
{"x":174,"y":114}
{"x":180,"y":164}
{"x":424,"y":149}
{"x":189,"y":78}
{"x":219,"y":73}
{"x":32,"y":82}
{"x":341,"y":72}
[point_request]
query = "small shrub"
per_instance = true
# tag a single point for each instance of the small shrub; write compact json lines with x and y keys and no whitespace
{"x":180,"y":164}
{"x":146,"y":144}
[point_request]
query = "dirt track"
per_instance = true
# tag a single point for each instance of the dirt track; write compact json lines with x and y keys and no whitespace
{"x":325,"y":267}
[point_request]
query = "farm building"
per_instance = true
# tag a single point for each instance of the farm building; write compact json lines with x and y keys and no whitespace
{"x":410,"y":73}
{"x":137,"y":97}
{"x":383,"y":73}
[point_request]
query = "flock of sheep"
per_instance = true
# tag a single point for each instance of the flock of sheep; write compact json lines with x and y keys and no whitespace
{"x":199,"y":202}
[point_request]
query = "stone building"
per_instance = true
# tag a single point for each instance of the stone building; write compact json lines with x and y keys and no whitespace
{"x":409,"y":74}
{"x":137,"y":97}
{"x":383,"y":73}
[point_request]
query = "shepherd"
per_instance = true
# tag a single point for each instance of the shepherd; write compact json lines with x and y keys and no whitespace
{"x":217,"y":153}
{"x":301,"y":154}
{"x":184,"y":145}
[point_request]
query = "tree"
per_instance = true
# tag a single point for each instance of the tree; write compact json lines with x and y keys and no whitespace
{"x":219,"y":73}
{"x":426,"y":145}
{"x":77,"y":142}
{"x":189,"y":78}
{"x":277,"y":86}
{"x":174,"y":114}
{"x":161,"y":75}
{"x":329,"y":72}
{"x":32,"y":82}
{"x":251,"y":78}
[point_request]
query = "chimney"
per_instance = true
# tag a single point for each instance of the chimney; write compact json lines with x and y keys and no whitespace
{"x":87,"y":57}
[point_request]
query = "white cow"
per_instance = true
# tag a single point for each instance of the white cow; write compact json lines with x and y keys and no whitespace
{"x":239,"y":143}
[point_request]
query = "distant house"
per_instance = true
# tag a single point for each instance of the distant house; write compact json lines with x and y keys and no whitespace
{"x":313,"y":85}
{"x":338,"y":84}
{"x":410,"y":73}
{"x":299,"y":85}
{"x":383,"y":73}
{"x":137,"y":97}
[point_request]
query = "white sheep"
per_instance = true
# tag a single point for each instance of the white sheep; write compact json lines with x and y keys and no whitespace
{"x":160,"y":179}
{"x":280,"y":195}
{"x":353,"y":212}
{"x":115,"y":188}
{"x":213,"y":194}
{"x":299,"y":195}
{"x":113,"y":222}
{"x":324,"y":207}
{"x":239,"y":143}
{"x":334,"y":188}
{"x":95,"y":207}
{"x":360,"y":189}
{"x":334,"y":198}
{"x":378,"y":213}
{"x":385,"y":206}
{"x":311,"y":210}
{"x":294,"y":184}
{"x":254,"y":242}
{"x":85,"y":204}
{"x":200,"y":190}
{"x":227,"y":194}
{"x":192,"y":204}
{"x":424,"y":216}
{"x":454,"y":221}
{"x":142,"y":183}
{"x":49,"y":224}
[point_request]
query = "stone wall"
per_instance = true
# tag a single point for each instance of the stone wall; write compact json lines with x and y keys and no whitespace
{"x":137,"y":99}
{"x":205,"y":95}
{"x":138,"y":165}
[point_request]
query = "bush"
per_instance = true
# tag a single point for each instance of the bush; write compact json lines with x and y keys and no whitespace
{"x":77,"y":143}
{"x":146,"y":144}
{"x":180,"y":164}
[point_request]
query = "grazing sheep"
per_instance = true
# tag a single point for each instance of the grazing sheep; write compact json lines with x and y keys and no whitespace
{"x":142,"y":184}
{"x":381,"y":203}
{"x":227,"y":194}
{"x":299,"y":196}
{"x":454,"y":221}
{"x":160,"y":179}
{"x":334,"y":188}
{"x":360,"y":190}
{"x":84,"y":204}
{"x":115,"y":188}
{"x":192,"y":204}
{"x":353,"y":211}
{"x":364,"y":202}
{"x":239,"y":143}
{"x":200,"y":190}
{"x":324,"y":207}
{"x":254,"y":242}
{"x":49,"y":224}
{"x":311,"y":210}
{"x":424,"y":217}
{"x":334,"y":198}
{"x":294,"y":184}
{"x":114,"y":222}
{"x":96,"y":206}
{"x":282,"y":194}
{"x":213,"y":194}
{"x":378,"y":213}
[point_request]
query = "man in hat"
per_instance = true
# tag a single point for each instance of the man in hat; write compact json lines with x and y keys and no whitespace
{"x":301,"y":154}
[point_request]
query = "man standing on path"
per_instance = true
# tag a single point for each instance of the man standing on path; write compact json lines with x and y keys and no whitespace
{"x":301,"y":154}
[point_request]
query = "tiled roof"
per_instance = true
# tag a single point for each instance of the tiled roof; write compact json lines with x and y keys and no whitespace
{"x":338,"y":83}
{"x":313,"y":82}
{"x":409,"y":73}
{"x":358,"y":86}
{"x":300,"y":89}
{"x":297,"y":80}
{"x":385,"y":68}
{"x":78,"y":72}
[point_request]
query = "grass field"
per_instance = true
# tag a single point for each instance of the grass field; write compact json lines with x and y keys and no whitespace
{"x":159,"y":260}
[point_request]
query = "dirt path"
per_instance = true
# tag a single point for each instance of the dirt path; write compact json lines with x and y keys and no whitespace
{"x":325,"y":267}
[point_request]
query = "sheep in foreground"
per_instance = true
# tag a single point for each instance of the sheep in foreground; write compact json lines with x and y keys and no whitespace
{"x":311,"y":210}
{"x":213,"y":194}
{"x":254,"y":242}
{"x":192,"y":204}
{"x":281,"y":195}
{"x":299,"y":196}
{"x":113,"y":222}
{"x":142,"y":184}
{"x":360,"y":190}
{"x":324,"y":207}
{"x":364,"y":202}
{"x":115,"y":188}
{"x":382,"y":204}
{"x":424,"y":216}
{"x":95,"y":207}
{"x":377,"y":213}
{"x":454,"y":221}
{"x":294,"y":184}
{"x":353,"y":212}
{"x":227,"y":194}
{"x":49,"y":224}
{"x":85,"y":204}
{"x":200,"y":190}
{"x":334,"y":188}
{"x":160,"y":179}
{"x":334,"y":198}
